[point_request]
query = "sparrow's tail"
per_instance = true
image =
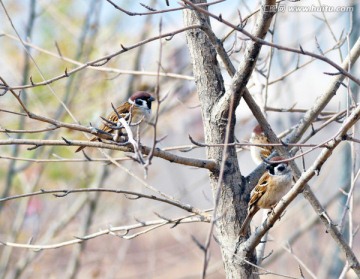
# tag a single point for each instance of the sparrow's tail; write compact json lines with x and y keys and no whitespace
{"x":82,"y":147}
{"x":79,"y":149}
{"x":246,"y":222}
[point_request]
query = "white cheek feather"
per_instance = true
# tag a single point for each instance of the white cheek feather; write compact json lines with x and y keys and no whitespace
{"x":283,"y":182}
{"x":285,"y":178}
{"x":143,"y":106}
{"x":146,"y":111}
{"x":141,"y":113}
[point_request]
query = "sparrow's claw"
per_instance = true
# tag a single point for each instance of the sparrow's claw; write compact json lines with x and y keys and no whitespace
{"x":271,"y":211}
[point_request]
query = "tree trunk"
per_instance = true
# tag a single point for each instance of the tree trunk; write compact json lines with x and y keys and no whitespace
{"x":231,"y":206}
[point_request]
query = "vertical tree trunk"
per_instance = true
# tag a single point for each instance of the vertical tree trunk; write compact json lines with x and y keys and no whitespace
{"x":210,"y":88}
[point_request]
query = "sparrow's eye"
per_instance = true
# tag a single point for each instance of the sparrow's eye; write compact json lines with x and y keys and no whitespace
{"x":281,"y":168}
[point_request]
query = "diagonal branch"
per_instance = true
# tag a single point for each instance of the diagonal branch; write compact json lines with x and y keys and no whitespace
{"x":259,"y":40}
{"x":208,"y":164}
{"x":218,"y":108}
{"x":99,"y":68}
{"x":99,"y":61}
{"x":322,"y":101}
{"x":241,"y":76}
{"x":63,"y":193}
{"x":115,"y":231}
{"x":299,"y":187}
{"x":158,"y":12}
{"x":304,"y":124}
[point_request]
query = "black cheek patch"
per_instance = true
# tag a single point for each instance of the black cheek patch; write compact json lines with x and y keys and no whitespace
{"x":149,"y":104}
{"x":271,"y":170}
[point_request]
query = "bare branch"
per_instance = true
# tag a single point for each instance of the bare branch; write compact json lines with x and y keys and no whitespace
{"x":259,"y":40}
{"x":158,"y":12}
{"x":96,"y":61}
{"x":300,"y":185}
{"x":64,"y":193}
{"x":172,"y":158}
{"x":110,"y":231}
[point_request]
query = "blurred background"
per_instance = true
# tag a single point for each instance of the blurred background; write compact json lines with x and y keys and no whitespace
{"x":59,"y":35}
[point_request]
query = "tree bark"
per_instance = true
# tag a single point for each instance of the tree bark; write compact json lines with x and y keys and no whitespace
{"x":231,"y":201}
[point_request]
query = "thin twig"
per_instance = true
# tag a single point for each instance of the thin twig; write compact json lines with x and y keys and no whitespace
{"x":110,"y":231}
{"x":65,"y":192}
{"x":95,"y":62}
{"x":263,"y":42}
{"x":160,"y":11}
{"x":158,"y":102}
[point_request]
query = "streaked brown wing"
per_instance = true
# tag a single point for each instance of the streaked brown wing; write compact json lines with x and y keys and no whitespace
{"x":265,"y":151}
{"x":123,"y":110}
{"x":259,"y":190}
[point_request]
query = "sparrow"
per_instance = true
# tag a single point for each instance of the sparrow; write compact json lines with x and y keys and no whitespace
{"x":137,"y":109}
{"x":259,"y":152}
{"x":272,"y":186}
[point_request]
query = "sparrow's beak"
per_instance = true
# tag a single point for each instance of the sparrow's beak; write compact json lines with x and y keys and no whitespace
{"x":149,"y":101}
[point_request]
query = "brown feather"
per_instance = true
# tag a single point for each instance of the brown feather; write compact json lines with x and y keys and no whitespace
{"x":259,"y":152}
{"x":256,"y":194}
{"x":271,"y":187}
{"x":123,"y":110}
{"x":138,"y":107}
